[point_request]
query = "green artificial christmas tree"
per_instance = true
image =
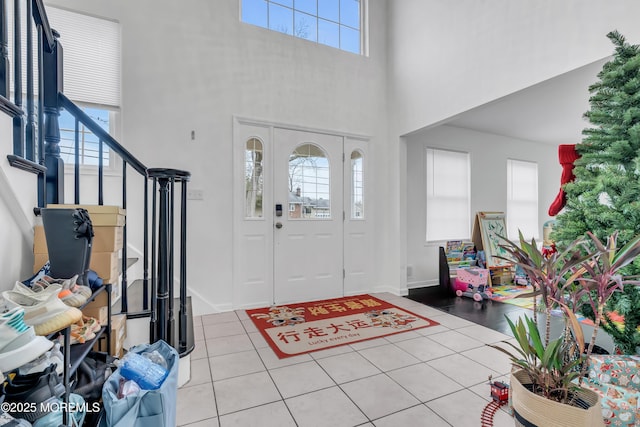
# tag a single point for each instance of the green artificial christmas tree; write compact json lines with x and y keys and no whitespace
{"x":605,"y":195}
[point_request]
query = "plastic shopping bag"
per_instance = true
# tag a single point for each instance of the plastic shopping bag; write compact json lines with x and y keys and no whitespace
{"x":147,"y":408}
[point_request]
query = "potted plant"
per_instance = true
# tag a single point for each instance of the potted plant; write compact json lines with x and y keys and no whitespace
{"x":545,"y":382}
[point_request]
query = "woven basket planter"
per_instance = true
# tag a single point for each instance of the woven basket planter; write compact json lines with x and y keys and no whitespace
{"x":532,"y":410}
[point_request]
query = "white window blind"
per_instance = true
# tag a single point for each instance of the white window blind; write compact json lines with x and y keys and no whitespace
{"x":91,"y":55}
{"x":91,"y":48}
{"x":448,"y":195}
{"x":522,"y":199}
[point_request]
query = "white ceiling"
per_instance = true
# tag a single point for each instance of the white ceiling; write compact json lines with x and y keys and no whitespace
{"x":548,"y":112}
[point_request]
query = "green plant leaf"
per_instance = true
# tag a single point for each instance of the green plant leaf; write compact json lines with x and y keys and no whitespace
{"x":627,"y":254}
{"x":549,"y":358}
{"x":534,"y":337}
{"x":574,"y":324}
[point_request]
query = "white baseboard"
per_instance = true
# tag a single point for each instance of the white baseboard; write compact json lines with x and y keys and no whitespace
{"x":423,"y":283}
{"x":392,"y":290}
{"x":200,"y":305}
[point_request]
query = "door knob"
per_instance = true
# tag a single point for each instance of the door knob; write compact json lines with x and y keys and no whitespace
{"x":278,"y":225}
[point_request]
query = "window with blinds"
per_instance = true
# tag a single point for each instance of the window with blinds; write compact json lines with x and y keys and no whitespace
{"x":91,"y":78}
{"x":448,"y":195}
{"x":91,"y":49}
{"x":522,"y":199}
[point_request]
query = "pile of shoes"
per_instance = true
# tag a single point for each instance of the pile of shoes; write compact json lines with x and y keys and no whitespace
{"x":33,"y":389}
{"x":35,"y":399}
{"x":43,"y":310}
{"x":49,"y":304}
{"x":84,"y":330}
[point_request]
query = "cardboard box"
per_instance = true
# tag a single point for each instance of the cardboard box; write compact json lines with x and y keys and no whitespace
{"x":117,"y":348}
{"x":39,"y":260}
{"x":119,"y":327}
{"x":98,"y":312}
{"x":105,"y":239}
{"x":100,"y":215}
{"x":101,"y":299}
{"x":39,"y":240}
{"x":105,"y":264}
{"x":118,"y":335}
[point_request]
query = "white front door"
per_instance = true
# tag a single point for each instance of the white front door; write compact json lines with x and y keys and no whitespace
{"x":308,"y":216}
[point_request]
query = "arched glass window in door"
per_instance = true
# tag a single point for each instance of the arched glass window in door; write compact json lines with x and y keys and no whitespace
{"x":357,"y":185}
{"x":253,"y":156}
{"x":309,"y":186}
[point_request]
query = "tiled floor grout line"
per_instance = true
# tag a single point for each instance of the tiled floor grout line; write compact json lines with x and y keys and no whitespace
{"x":471,"y":388}
{"x":270,"y":377}
{"x":215,"y":399}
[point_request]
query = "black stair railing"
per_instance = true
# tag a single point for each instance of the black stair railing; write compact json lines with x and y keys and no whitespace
{"x":165,"y":180}
{"x":37,"y":150}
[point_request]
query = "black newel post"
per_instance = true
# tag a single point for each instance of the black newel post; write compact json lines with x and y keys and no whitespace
{"x":4,"y":51}
{"x":163,"y":323}
{"x":52,"y":63}
{"x":164,"y":281}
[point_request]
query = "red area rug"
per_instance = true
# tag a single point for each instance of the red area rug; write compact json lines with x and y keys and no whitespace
{"x":301,"y":328}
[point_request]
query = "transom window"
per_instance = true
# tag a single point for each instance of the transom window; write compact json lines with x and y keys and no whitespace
{"x":335,"y":23}
{"x":309,"y":189}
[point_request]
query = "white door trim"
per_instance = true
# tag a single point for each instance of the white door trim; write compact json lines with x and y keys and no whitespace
{"x":253,"y":286}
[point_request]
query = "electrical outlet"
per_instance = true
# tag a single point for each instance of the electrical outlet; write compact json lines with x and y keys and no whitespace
{"x":195,"y":194}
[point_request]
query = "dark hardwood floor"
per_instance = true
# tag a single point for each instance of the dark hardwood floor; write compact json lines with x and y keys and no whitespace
{"x":487,"y":313}
{"x":492,"y":314}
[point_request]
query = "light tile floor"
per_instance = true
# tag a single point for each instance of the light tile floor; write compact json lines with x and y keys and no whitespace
{"x":432,"y":377}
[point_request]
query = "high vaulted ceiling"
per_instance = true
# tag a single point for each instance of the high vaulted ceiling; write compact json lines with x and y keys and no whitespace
{"x":549,"y":112}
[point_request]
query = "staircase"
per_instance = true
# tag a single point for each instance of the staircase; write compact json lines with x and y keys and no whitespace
{"x":156,"y":220}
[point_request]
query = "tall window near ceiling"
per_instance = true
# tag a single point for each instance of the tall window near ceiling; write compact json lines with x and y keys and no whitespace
{"x":335,"y":23}
{"x":448,"y":195}
{"x":522,"y":199}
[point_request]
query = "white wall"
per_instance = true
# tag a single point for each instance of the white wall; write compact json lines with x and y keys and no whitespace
{"x":447,"y":57}
{"x":192,"y":65}
{"x":18,"y":197}
{"x":489,"y":154}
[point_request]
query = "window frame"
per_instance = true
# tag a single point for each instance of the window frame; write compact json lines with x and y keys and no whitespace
{"x":261,"y":189}
{"x":318,"y":182}
{"x":362,"y":22}
{"x":114,"y":131}
{"x":353,"y":185}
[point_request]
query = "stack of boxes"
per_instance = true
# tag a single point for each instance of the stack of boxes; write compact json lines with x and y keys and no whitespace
{"x":108,"y":223}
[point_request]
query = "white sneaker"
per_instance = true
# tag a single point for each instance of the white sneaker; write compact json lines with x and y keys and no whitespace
{"x":46,"y":316}
{"x":43,"y":362}
{"x":72,"y":294}
{"x":18,"y":342}
{"x":37,"y":291}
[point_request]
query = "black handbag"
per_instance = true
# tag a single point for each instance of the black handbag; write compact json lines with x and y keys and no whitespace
{"x":92,"y":373}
